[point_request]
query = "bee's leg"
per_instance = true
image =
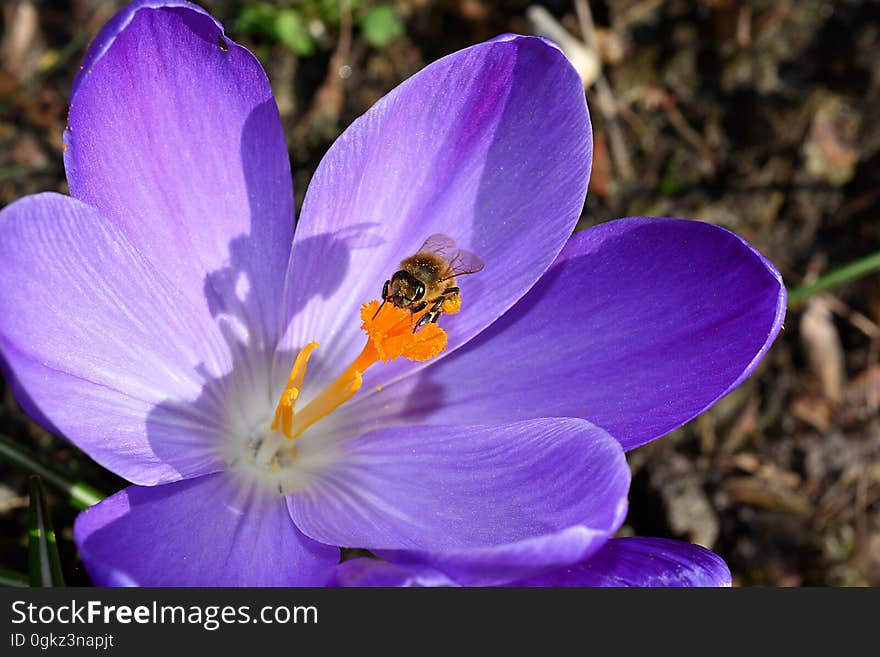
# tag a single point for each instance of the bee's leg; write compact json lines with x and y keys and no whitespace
{"x":431,"y":316}
{"x":451,"y":296}
{"x":424,"y":319}
{"x":419,"y":307}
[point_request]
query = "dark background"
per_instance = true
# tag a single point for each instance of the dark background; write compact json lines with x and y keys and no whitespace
{"x":757,"y":116}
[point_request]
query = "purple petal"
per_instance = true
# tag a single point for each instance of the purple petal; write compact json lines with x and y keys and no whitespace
{"x":105,"y":37}
{"x":200,"y":532}
{"x":480,"y":503}
{"x":95,"y":337}
{"x":639,"y":326}
{"x":367,"y":572}
{"x":178,"y":141}
{"x":490,"y":146}
{"x":641,"y":562}
{"x":620,"y":562}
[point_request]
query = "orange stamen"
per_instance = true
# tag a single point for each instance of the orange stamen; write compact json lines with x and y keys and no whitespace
{"x":389,"y":336}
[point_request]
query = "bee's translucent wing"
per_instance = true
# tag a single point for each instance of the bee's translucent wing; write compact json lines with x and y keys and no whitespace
{"x":464,"y":262}
{"x":459,"y":262}
{"x":443,"y":245}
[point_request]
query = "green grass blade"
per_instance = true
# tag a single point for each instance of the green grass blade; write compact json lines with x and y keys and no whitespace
{"x":43,"y":561}
{"x":846,"y":274}
{"x":80,"y":495}
{"x":10,"y":578}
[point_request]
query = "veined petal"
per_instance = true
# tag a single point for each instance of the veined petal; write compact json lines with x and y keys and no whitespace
{"x":174,"y":135}
{"x":640,"y":325}
{"x":657,"y":562}
{"x":645,"y":562}
{"x":97,"y":338}
{"x":490,"y":146}
{"x":367,"y":572}
{"x":481,"y":504}
{"x":107,"y":34}
{"x":201,"y":532}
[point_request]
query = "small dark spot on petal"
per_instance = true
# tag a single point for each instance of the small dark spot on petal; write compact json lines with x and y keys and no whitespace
{"x":222,"y":43}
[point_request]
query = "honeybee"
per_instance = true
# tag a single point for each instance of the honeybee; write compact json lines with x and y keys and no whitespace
{"x":427,"y":279}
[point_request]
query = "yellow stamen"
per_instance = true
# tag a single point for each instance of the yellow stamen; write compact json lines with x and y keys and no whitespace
{"x":284,"y":411}
{"x":389,"y":336}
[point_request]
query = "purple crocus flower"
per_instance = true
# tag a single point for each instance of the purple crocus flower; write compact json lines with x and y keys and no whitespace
{"x":154,"y":316}
{"x":619,"y":562}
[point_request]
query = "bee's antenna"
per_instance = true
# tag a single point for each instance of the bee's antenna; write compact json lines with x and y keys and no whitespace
{"x":384,"y":297}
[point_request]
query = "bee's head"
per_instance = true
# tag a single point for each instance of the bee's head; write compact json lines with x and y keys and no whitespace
{"x":405,"y":289}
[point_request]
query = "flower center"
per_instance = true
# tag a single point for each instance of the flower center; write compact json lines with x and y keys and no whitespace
{"x":390,"y":335}
{"x":264,"y":456}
